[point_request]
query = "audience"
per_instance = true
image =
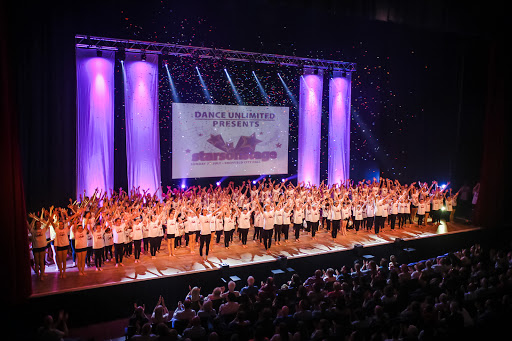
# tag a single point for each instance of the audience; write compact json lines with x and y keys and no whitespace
{"x":457,"y":295}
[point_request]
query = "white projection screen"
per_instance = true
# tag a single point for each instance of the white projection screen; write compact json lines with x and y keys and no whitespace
{"x":228,"y":140}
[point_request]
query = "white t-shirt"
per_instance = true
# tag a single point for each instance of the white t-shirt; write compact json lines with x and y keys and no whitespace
{"x":137,"y":231}
{"x":244,"y":221}
{"x":172,"y":226}
{"x":80,"y":239}
{"x":153,"y":229}
{"x":61,"y":238}
{"x":204,"y":221}
{"x":108,"y":238}
{"x":268,"y":220}
{"x":119,"y":234}
{"x":278,"y":217}
{"x":229,"y":223}
{"x":97,"y":240}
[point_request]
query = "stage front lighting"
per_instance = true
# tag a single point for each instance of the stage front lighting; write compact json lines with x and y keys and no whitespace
{"x":254,"y":182}
{"x":218,"y":183}
{"x":443,"y":208}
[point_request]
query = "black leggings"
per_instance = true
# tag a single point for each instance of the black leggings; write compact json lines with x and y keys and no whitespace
{"x":146,"y":244}
{"x":73,"y":252}
{"x":136,"y":246}
{"x":98,"y":255}
{"x":284,"y":230}
{"x":108,"y":250}
{"x":267,"y":238}
{"x":277,"y":235}
{"x":128,"y":249}
{"x":420,"y":218}
{"x":357,"y":224}
{"x":118,"y":252}
{"x":153,"y":241}
{"x":335,"y":228}
{"x":314,"y":228}
{"x":243,"y":233}
{"x":88,"y":256}
{"x":296,"y":228}
{"x":227,"y":237}
{"x":257,"y":232}
{"x":369,"y":223}
{"x":205,"y":239}
{"x":218,"y":234}
{"x":392,"y":220}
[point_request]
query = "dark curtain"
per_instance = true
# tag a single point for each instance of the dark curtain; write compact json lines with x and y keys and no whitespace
{"x":489,"y":211}
{"x":16,"y":283}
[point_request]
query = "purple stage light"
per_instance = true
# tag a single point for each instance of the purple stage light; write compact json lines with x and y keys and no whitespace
{"x":95,"y":121}
{"x":339,"y":128}
{"x":218,"y":183}
{"x":142,"y":129}
{"x":310,"y":116}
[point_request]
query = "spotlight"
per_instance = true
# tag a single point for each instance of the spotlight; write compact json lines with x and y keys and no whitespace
{"x":99,"y":53}
{"x":254,"y":182}
{"x":182,"y":185}
{"x":443,"y":208}
{"x":283,"y":180}
{"x":143,"y":57}
{"x":218,"y":183}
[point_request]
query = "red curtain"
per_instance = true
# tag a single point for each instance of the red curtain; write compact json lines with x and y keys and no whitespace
{"x":490,"y":208}
{"x":16,"y":281}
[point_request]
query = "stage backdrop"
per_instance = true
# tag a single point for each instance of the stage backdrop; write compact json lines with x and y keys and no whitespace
{"x":227,"y":140}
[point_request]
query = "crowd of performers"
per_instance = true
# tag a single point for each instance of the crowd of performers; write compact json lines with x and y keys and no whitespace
{"x":110,"y":226}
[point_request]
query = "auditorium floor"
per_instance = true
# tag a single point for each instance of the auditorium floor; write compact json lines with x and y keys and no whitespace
{"x":185,"y":262}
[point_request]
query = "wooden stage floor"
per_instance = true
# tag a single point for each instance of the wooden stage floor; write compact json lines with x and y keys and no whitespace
{"x":184,"y":262}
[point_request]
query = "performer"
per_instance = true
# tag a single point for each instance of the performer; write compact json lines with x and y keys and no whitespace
{"x":98,"y":244}
{"x":137,"y":228}
{"x":336,"y":214}
{"x":37,"y":230}
{"x":244,"y":223}
{"x":118,"y":231}
{"x":171,"y":231}
{"x":81,"y":247}
{"x":298,"y":217}
{"x":229,"y":226}
{"x":268,"y":225}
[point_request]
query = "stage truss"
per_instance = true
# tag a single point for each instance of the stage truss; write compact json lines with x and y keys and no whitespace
{"x":126,"y":45}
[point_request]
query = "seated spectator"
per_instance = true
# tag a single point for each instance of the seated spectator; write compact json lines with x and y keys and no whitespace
{"x":160,"y":313}
{"x":137,"y":320}
{"x":267,"y":290}
{"x":316,"y":279}
{"x":302,"y":312}
{"x":281,"y":333}
{"x":216,"y":297}
{"x":284,"y":316}
{"x":264,"y":326}
{"x":184,"y":312}
{"x":195,"y":331}
{"x":231,"y":289}
{"x":144,"y":334}
{"x":230,"y":307}
{"x":195,"y":297}
{"x":240,"y":325}
{"x":54,"y":331}
{"x":207,"y":311}
{"x":250,"y":289}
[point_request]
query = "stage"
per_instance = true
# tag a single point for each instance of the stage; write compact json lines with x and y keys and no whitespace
{"x":185,"y":263}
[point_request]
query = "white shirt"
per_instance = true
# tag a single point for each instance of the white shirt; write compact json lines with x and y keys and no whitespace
{"x":61,"y":238}
{"x":244,"y":221}
{"x":229,"y":223}
{"x":268,"y":220}
{"x":137,"y":231}
{"x":278,"y":217}
{"x":97,"y":240}
{"x":204,"y":221}
{"x":171,"y":226}
{"x":80,"y":239}
{"x":118,"y":232}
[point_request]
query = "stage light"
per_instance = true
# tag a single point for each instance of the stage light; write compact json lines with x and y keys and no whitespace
{"x":218,"y":183}
{"x":254,"y":182}
{"x":260,"y":87}
{"x":283,"y":180}
{"x":99,"y":53}
{"x":183,"y":186}
{"x":233,"y":88}
{"x":175,"y":96}
{"x":443,"y":208}
{"x":205,"y":88}
{"x":443,"y":186}
{"x":290,"y":94}
{"x":143,"y":57}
